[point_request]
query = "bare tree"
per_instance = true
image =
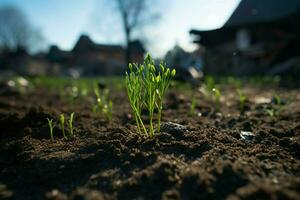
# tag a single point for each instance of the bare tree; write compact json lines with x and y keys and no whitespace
{"x":15,"y":30}
{"x":134,"y":15}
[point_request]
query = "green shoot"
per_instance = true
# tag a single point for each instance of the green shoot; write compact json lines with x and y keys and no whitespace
{"x":207,"y":87}
{"x":277,"y":99}
{"x":193,"y":106}
{"x":162,"y":83}
{"x":134,"y":93}
{"x":276,"y":108}
{"x":103,"y":105}
{"x":242,"y":100}
{"x":146,"y":88}
{"x":62,"y":124}
{"x":107,"y":110}
{"x":70,"y":125}
{"x":210,"y":83}
{"x":217,"y":97}
{"x":51,"y":127}
{"x":272,"y":112}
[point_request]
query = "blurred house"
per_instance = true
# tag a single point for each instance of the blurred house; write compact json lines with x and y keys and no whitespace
{"x":91,"y":59}
{"x":87,"y":58}
{"x":260,"y":37}
{"x":20,"y":62}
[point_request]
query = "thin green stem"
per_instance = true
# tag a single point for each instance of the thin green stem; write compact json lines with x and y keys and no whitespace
{"x":151,"y":132}
{"x":138,"y":124}
{"x":159,"y":116}
{"x":51,"y":134}
{"x":142,"y":124}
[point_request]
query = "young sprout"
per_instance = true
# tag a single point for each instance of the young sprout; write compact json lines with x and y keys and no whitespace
{"x":217,"y":96}
{"x":146,"y":88}
{"x":99,"y":106}
{"x":193,"y":106}
{"x":207,"y":87}
{"x":276,"y":107}
{"x":277,"y":100}
{"x":163,"y":81}
{"x":51,"y":127}
{"x":107,"y":110}
{"x":62,"y":124}
{"x":242,"y":100}
{"x":134,"y":93}
{"x":70,"y":125}
{"x":103,"y":105}
{"x":272,"y":112}
{"x":210,"y":83}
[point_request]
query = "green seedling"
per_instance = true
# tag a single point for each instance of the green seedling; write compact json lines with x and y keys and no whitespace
{"x":193,"y":106}
{"x":210,"y":83}
{"x":51,"y":127}
{"x":242,"y":100}
{"x":146,"y":88}
{"x":70,"y":125}
{"x":272,"y":112}
{"x":207,"y":87}
{"x":134,"y":92}
{"x":276,"y":108}
{"x":163,"y":80}
{"x":62,"y":124}
{"x":107,"y":110}
{"x":100,"y":101}
{"x":217,"y":97}
{"x":103,"y":105}
{"x":277,"y":100}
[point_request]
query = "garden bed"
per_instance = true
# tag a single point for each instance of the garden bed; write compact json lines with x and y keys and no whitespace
{"x":215,"y":155}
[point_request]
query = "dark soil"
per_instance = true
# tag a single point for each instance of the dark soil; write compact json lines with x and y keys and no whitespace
{"x":108,"y":160}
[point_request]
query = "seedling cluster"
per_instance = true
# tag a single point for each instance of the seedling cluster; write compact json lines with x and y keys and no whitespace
{"x":276,"y":107}
{"x":70,"y":126}
{"x":103,"y":105}
{"x":146,"y":87}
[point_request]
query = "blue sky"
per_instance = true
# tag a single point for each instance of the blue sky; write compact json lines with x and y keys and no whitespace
{"x":62,"y":21}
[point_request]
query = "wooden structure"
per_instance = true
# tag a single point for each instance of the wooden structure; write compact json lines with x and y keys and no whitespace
{"x":259,"y":35}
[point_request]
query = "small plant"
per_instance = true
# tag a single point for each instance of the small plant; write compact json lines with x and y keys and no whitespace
{"x":51,"y":127}
{"x":207,"y":87}
{"x":62,"y":124}
{"x":107,"y":110}
{"x":70,"y":125}
{"x":193,"y":106}
{"x":146,"y":88}
{"x":210,"y":83}
{"x":103,"y":105}
{"x":272,"y":112}
{"x":277,"y":100}
{"x":276,"y":108}
{"x":162,"y":83}
{"x":217,"y":97}
{"x":242,"y":100}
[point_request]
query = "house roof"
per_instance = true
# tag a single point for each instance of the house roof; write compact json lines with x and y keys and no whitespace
{"x":56,"y":54}
{"x":262,"y":11}
{"x":137,"y":47}
{"x":252,"y":13}
{"x":85,"y":43}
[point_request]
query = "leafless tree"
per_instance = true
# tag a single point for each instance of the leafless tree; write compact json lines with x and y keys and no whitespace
{"x":15,"y":30}
{"x":134,"y":15}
